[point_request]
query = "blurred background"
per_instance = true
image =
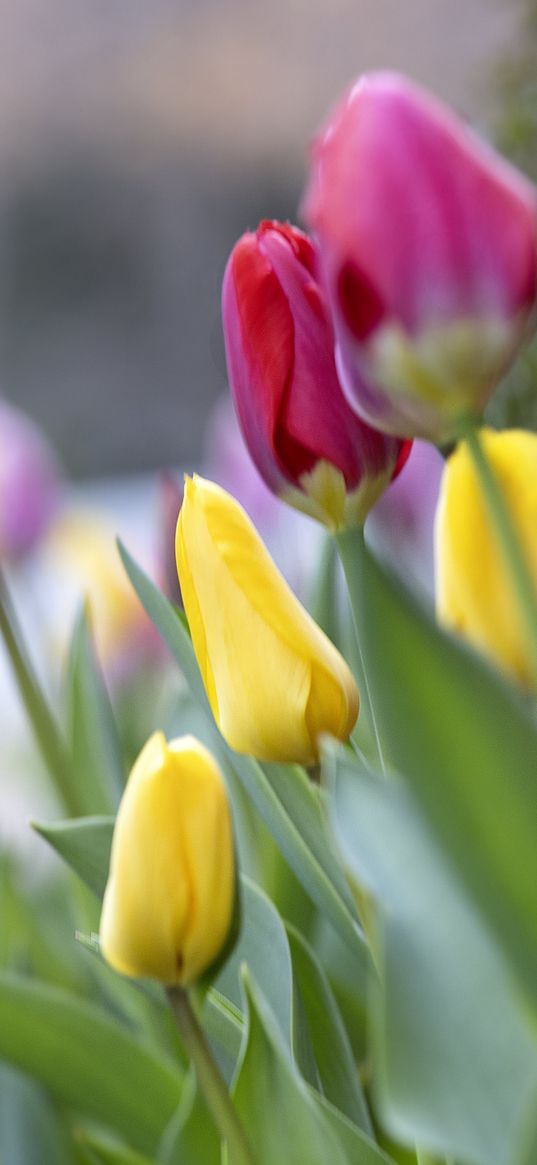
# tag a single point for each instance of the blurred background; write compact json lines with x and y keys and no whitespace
{"x":138,"y":139}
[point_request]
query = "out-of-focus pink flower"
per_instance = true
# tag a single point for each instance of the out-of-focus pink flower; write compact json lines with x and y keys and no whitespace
{"x":428,"y":250}
{"x":402,"y":524}
{"x":29,"y":484}
{"x":308,"y":444}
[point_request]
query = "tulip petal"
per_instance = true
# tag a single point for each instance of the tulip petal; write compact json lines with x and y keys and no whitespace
{"x":474,"y":594}
{"x":280,"y":355}
{"x":137,"y":938}
{"x":279,"y":681}
{"x":169,"y":898}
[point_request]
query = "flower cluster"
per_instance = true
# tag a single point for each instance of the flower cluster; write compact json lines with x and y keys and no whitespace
{"x":394,"y":320}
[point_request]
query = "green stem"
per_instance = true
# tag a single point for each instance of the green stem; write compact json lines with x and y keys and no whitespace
{"x":351,"y":547}
{"x":508,"y":540}
{"x":45,"y":729}
{"x":323,"y":597}
{"x":209,"y":1078}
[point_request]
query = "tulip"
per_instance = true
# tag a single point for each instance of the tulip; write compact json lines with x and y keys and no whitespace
{"x":274,"y":681}
{"x":474,"y":594}
{"x":307,"y":443}
{"x":29,"y":484}
{"x":169,"y":900}
{"x":428,"y":249}
{"x":83,"y":561}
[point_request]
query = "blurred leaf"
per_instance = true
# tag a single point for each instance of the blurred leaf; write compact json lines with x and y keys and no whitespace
{"x":84,"y":843}
{"x":282,"y":795}
{"x":31,"y":929}
{"x":307,"y":1128}
{"x":32,"y":1132}
{"x":337,"y":1072}
{"x":95,"y":749}
{"x":303,"y":803}
{"x":525,"y":1152}
{"x":191,"y":1137}
{"x":97,"y":1150}
{"x":453,"y":1055}
{"x":358,"y":1148}
{"x":223,"y":1025}
{"x":46,"y":731}
{"x":263,"y":945}
{"x":466,"y":743}
{"x":273,"y":1102}
{"x":87,"y":1060}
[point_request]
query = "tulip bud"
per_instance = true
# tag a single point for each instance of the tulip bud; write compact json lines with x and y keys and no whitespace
{"x":273,"y":679}
{"x":307,"y":443}
{"x":474,"y":594}
{"x":169,"y":900}
{"x":428,"y":249}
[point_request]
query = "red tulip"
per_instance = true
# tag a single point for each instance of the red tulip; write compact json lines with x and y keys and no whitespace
{"x":307,"y":443}
{"x":428,"y":251}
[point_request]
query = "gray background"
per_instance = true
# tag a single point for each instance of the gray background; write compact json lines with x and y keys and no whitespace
{"x":138,"y":139}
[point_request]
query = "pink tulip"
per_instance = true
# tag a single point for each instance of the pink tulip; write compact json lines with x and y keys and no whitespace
{"x":307,"y":443}
{"x":428,"y":253}
{"x":29,"y":484}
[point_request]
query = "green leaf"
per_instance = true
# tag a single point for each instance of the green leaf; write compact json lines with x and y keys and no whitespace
{"x":45,"y":729}
{"x":281,"y":794}
{"x":95,"y":749}
{"x":191,"y":1137}
{"x":453,"y":1054}
{"x":279,"y":1114}
{"x":525,"y":1152}
{"x":85,"y":844}
{"x":263,"y":945}
{"x":100,"y":1151}
{"x":32,"y":1132}
{"x":358,"y":1148}
{"x":336,"y":1070}
{"x":466,"y":743}
{"x":86,"y":1060}
{"x":223,"y":1024}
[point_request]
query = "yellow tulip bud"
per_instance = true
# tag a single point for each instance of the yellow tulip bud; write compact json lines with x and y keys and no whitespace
{"x":473,"y":592}
{"x":170,"y":896}
{"x":274,"y":681}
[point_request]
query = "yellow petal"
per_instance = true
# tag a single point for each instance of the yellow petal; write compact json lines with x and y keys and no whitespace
{"x":274,"y":680}
{"x":473,"y":592}
{"x":169,"y":898}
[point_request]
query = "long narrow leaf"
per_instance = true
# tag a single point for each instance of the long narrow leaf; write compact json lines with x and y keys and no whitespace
{"x":86,"y":1060}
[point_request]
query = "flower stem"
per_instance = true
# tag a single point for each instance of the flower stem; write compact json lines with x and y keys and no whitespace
{"x":323,"y":597}
{"x":209,"y":1078}
{"x":351,"y":547}
{"x":46,"y":731}
{"x":508,"y":540}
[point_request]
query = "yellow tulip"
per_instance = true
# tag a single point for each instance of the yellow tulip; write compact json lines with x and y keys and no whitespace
{"x":274,"y":681}
{"x":473,"y":593}
{"x":170,"y":895}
